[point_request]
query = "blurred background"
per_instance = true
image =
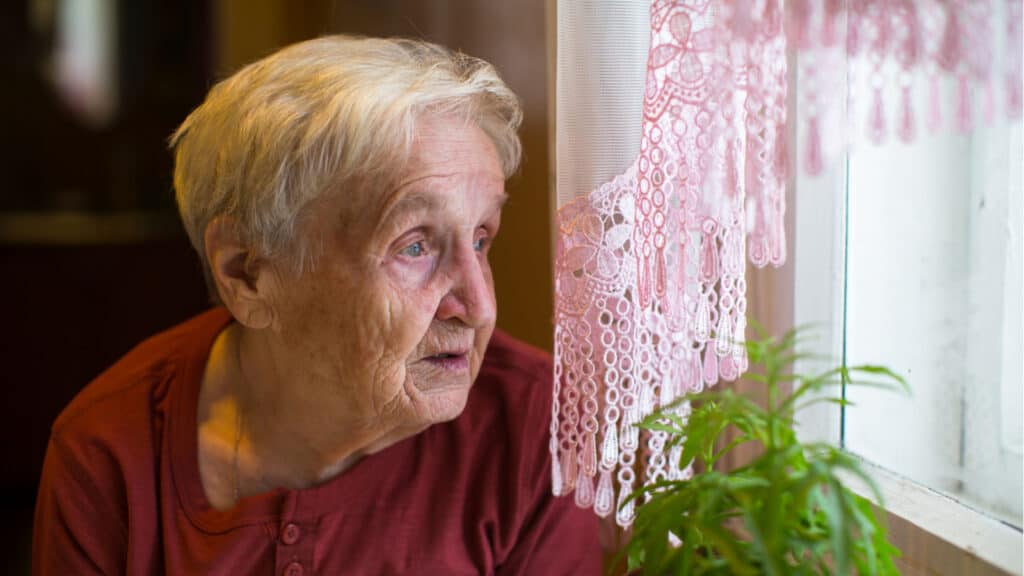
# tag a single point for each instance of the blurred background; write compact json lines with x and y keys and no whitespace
{"x":93,"y":257}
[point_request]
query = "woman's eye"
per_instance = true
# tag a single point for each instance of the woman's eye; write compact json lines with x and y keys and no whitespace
{"x":414,"y":250}
{"x":480,"y":243}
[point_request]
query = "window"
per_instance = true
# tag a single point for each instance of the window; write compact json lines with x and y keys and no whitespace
{"x":933,"y":289}
{"x":910,"y":255}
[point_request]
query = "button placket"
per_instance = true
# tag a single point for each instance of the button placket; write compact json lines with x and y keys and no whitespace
{"x":294,"y":549}
{"x":296,"y":538}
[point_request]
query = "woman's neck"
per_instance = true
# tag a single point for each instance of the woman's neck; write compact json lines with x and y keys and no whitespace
{"x":288,"y":429}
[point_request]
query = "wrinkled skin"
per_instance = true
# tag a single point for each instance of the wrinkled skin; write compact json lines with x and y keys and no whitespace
{"x":347,"y":365}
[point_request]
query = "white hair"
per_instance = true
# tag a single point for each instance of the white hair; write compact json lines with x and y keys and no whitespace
{"x":318,"y":117}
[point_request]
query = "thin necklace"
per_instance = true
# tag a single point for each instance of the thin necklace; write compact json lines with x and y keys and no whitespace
{"x":238,"y":419}
{"x":238,"y":439}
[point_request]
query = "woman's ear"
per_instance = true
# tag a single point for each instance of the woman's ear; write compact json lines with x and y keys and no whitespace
{"x":236,"y":273}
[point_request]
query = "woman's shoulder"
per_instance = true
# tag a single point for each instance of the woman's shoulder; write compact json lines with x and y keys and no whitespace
{"x":140,"y":377}
{"x":102,"y":464}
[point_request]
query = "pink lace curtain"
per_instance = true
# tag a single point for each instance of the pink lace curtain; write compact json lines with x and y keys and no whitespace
{"x":650,"y":294}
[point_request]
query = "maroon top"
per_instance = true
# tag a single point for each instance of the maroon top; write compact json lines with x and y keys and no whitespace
{"x":121,"y":492}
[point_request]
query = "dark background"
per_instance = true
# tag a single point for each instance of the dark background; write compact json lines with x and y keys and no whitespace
{"x":92,"y":257}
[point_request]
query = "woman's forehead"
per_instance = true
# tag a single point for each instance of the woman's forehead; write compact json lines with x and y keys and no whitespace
{"x":448,"y":159}
{"x":451,"y":163}
{"x":443,"y":144}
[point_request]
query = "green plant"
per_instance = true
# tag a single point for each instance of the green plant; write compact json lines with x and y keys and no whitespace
{"x":787,"y":511}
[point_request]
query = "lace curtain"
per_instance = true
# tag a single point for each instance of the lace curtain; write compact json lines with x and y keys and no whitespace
{"x":673,"y":152}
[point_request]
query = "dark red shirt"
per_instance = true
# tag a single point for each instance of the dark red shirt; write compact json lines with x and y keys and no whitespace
{"x":121,"y":492}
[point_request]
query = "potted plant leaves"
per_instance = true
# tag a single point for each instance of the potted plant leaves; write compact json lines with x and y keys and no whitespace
{"x":789,"y":510}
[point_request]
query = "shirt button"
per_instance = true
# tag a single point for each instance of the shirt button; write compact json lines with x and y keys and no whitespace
{"x":291,"y":534}
{"x":293,"y":569}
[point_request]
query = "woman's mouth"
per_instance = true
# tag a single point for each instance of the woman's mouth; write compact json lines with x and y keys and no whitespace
{"x":450,"y":361}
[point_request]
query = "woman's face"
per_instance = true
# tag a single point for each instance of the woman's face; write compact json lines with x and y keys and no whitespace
{"x":392,"y":321}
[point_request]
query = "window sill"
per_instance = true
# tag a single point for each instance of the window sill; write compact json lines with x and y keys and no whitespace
{"x":938,"y":534}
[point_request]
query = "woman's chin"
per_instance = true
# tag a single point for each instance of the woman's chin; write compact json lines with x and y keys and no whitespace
{"x":448,"y":407}
{"x":438,"y":400}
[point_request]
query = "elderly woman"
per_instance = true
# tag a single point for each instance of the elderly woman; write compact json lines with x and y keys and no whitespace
{"x":349,"y":408}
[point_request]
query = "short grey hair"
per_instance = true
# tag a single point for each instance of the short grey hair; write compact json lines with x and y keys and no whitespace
{"x":319,"y":116}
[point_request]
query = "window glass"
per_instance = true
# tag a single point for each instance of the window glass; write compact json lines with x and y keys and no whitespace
{"x":933,"y":289}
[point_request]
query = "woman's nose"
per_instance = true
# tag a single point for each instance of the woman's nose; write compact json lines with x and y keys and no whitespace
{"x":471,"y":296}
